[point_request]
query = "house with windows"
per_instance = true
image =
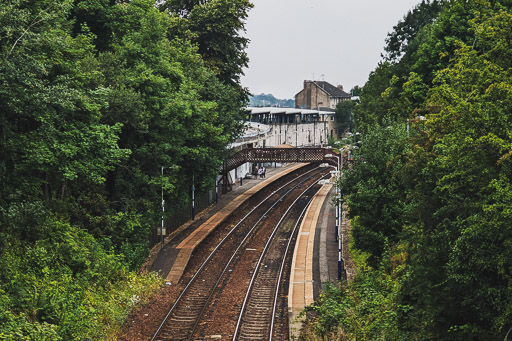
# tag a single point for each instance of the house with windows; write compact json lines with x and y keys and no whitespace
{"x":320,"y":95}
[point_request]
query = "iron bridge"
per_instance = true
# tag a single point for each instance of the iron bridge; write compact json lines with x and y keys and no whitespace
{"x":281,"y":155}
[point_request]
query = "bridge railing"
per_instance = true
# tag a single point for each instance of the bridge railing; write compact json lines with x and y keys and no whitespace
{"x":281,"y":155}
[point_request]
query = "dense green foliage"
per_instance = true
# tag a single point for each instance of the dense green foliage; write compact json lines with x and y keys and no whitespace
{"x":431,"y":207}
{"x":367,"y":308}
{"x":344,"y":115}
{"x":96,"y":97}
{"x":378,"y":202}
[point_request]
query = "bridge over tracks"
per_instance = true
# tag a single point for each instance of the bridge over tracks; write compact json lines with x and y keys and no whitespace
{"x":281,"y":155}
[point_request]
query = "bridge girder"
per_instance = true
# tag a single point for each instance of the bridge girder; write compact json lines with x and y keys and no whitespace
{"x":281,"y":155}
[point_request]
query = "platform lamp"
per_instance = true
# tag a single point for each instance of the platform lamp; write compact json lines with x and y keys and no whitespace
{"x":336,"y":187}
{"x":338,"y":214}
{"x":193,"y":188}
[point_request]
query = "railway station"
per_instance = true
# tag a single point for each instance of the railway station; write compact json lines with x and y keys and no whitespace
{"x":248,"y":265}
{"x":217,"y":265}
{"x":314,"y":252}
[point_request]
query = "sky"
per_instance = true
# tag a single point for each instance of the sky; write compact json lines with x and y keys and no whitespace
{"x":339,"y":41}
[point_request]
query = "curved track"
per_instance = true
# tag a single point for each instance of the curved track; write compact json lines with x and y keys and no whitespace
{"x":257,"y":316}
{"x":202,"y":295}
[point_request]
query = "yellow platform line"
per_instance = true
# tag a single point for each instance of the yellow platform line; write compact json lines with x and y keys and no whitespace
{"x":300,"y":291}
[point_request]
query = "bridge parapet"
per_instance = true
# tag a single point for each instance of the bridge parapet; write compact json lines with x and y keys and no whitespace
{"x":281,"y":155}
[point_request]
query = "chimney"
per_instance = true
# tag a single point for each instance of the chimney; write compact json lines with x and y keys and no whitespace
{"x":340,"y":87}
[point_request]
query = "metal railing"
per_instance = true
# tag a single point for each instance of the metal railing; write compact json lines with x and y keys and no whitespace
{"x":181,"y":216}
{"x":277,"y":155}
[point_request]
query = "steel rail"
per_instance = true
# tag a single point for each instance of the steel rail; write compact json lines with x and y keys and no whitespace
{"x":263,"y":253}
{"x":228,"y":264}
{"x":191,"y":281}
{"x":235,"y":253}
{"x":281,"y":270}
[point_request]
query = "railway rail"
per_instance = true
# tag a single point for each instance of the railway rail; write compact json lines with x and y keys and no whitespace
{"x":232,"y":260}
{"x":261,"y":304}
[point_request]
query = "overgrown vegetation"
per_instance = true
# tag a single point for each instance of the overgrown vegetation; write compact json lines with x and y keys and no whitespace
{"x":96,"y":97}
{"x":430,"y":193}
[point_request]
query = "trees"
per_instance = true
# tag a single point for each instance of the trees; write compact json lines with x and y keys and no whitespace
{"x":375,"y":193}
{"x":216,"y":26}
{"x":95,"y":97}
{"x":436,"y":205}
{"x":401,"y":40}
{"x":469,"y":150}
{"x":51,"y":102}
{"x":344,"y":115}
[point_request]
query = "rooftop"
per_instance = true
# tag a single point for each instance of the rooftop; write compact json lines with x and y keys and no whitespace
{"x":288,"y":111}
{"x":331,"y":90}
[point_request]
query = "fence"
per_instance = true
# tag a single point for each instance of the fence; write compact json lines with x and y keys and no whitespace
{"x":180,"y":217}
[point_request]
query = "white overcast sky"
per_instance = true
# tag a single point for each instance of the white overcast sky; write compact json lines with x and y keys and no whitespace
{"x":294,"y":40}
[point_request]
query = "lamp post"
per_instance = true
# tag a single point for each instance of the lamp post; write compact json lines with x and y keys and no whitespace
{"x":338,"y":216}
{"x":162,"y":228}
{"x":336,"y":187}
{"x":163,"y":209}
{"x":216,"y":190}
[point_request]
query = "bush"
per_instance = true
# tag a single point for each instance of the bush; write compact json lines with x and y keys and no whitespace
{"x":66,"y":287}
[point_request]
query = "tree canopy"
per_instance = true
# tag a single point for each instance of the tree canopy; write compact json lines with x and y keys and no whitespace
{"x":430,"y":205}
{"x":96,"y":97}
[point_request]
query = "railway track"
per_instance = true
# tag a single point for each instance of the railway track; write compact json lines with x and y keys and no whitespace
{"x":261,"y":304}
{"x":231,"y":260}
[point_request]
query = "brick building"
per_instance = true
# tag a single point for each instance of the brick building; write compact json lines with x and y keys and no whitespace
{"x":319,"y":95}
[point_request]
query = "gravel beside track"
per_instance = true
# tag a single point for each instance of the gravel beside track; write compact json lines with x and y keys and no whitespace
{"x":146,"y":320}
{"x":228,"y":268}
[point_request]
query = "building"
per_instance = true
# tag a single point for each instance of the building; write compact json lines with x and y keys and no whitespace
{"x":310,"y":124}
{"x":255,"y":135}
{"x":320,"y":95}
{"x":293,"y":127}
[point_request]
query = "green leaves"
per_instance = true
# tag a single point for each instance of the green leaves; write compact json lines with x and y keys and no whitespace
{"x":66,"y":286}
{"x":374,"y":190}
{"x":216,"y":26}
{"x":468,"y":135}
{"x":95,"y":97}
{"x":344,"y":115}
{"x":442,"y":194}
{"x":365,"y":309}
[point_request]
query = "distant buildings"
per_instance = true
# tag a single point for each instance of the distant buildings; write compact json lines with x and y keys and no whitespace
{"x":311,"y":123}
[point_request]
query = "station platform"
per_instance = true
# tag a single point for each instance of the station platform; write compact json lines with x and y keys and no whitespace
{"x":170,"y":260}
{"x":315,"y":259}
